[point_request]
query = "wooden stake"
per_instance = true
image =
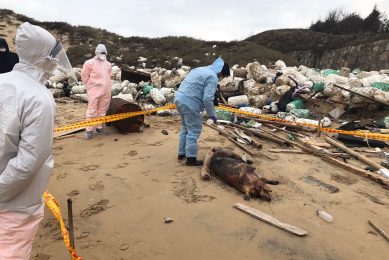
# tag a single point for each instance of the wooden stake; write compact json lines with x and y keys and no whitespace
{"x":270,"y":220}
{"x":70,"y":220}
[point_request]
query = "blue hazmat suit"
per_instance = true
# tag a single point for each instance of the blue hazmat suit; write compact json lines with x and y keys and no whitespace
{"x":195,"y":94}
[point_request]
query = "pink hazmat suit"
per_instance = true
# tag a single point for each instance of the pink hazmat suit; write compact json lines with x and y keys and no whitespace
{"x":96,"y":75}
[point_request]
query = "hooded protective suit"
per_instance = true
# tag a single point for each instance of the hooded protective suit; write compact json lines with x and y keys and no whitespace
{"x":27,"y":112}
{"x":7,"y":59}
{"x":195,"y":94}
{"x":96,"y":75}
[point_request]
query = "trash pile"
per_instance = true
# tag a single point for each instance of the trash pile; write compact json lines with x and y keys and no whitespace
{"x":157,"y":91}
{"x":283,"y":90}
{"x":276,"y":89}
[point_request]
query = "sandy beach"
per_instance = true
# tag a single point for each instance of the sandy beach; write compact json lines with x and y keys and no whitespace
{"x":123,"y":186}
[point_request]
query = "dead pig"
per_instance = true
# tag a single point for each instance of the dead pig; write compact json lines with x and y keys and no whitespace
{"x":231,"y":168}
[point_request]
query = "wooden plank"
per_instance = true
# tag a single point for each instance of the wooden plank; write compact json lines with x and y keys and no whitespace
{"x":270,"y":220}
{"x":371,"y":175}
{"x":285,"y":151}
{"x":379,"y":230}
{"x":359,"y":156}
{"x":63,"y":133}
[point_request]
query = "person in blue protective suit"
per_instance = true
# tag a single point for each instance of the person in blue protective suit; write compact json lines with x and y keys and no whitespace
{"x":195,"y":94}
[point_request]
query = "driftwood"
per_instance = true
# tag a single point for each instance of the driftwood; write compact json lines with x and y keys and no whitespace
{"x":231,"y":139}
{"x":379,"y":230}
{"x":261,"y":135}
{"x":290,"y":125}
{"x":270,"y":220}
{"x":357,"y":170}
{"x":359,"y":156}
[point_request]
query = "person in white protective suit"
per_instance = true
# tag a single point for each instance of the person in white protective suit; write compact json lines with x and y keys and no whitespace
{"x":27,"y":112}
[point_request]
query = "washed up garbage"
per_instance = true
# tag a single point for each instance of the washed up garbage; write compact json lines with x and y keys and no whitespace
{"x":166,"y":112}
{"x":78,"y":89}
{"x":344,"y":72}
{"x":256,"y":72}
{"x":127,"y":97}
{"x":147,"y":89}
{"x":251,"y":110}
{"x":324,"y":215}
{"x":295,"y":104}
{"x":116,"y":88}
{"x":57,"y":93}
{"x":380,"y":85}
{"x":248,"y":84}
{"x":128,"y":125}
{"x":258,"y":101}
{"x":240,"y":72}
{"x":238,"y":101}
{"x":356,"y":71}
{"x":383,"y":123}
{"x":281,"y":90}
{"x":58,"y":77}
{"x":282,"y":81}
{"x":157,"y":96}
{"x":301,"y":113}
{"x":224,"y":115}
{"x":166,"y":91}
{"x":337,"y":112}
{"x":329,"y":72}
{"x":81,"y":97}
{"x":279,"y":65}
{"x":318,"y":86}
{"x":116,"y":73}
{"x":253,"y":124}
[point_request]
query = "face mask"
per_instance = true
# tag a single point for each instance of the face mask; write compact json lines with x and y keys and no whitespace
{"x":3,"y":49}
{"x":102,"y":56}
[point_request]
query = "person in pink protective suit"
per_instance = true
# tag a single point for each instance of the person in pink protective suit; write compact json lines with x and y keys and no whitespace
{"x":96,"y":75}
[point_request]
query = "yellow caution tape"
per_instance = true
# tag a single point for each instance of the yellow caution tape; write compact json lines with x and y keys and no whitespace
{"x":111,"y":118}
{"x":116,"y":117}
{"x":376,"y":136}
{"x":53,"y":205}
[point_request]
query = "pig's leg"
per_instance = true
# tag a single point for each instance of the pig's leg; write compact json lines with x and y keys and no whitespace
{"x":270,"y":181}
{"x":205,"y":171}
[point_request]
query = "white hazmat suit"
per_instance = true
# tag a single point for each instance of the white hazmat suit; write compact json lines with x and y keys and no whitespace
{"x":27,"y":112}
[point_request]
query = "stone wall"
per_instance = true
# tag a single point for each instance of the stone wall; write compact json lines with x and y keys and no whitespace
{"x":372,"y":56}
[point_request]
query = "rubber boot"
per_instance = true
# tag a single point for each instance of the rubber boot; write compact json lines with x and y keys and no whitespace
{"x":192,"y":161}
{"x":181,"y":157}
{"x":88,"y":135}
{"x":100,"y":131}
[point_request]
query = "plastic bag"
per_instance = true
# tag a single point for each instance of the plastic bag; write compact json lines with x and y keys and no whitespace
{"x":224,"y":115}
{"x":147,"y":89}
{"x":295,"y":104}
{"x":301,"y":113}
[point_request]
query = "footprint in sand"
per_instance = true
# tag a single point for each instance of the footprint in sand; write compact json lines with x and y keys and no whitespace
{"x":99,"y":145}
{"x":121,"y":165}
{"x":132,"y":153}
{"x":74,"y":193}
{"x":69,"y":163}
{"x":187,"y":191}
{"x":99,"y":186}
{"x":91,"y":167}
{"x":94,"y":209}
{"x":62,"y":175}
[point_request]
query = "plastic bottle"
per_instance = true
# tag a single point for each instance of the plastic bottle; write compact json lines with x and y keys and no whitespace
{"x":324,"y":215}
